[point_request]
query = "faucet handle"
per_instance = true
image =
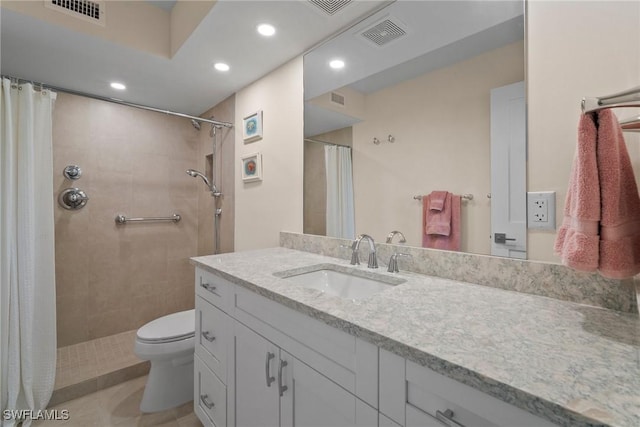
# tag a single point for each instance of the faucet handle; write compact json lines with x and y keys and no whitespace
{"x":393,"y":262}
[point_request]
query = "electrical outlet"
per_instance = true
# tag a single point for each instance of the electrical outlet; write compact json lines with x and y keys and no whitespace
{"x":541,"y":210}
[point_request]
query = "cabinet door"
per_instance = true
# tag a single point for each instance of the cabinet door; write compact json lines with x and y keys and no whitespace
{"x":312,"y":400}
{"x":256,"y":387}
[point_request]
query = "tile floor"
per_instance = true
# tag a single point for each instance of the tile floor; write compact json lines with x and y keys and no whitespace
{"x":91,"y":359}
{"x":119,"y":406}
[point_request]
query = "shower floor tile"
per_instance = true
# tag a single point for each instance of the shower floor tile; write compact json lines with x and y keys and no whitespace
{"x":94,"y":365}
{"x":120,"y":406}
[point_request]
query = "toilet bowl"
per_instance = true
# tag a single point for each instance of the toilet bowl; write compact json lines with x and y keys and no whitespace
{"x":168,"y":343}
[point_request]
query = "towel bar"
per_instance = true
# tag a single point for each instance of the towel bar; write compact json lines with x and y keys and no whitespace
{"x":467,"y":196}
{"x":628,"y":98}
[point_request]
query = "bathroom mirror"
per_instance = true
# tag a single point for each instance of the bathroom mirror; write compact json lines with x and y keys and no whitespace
{"x":413,"y":101}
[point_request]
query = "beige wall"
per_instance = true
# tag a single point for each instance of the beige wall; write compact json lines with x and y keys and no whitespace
{"x":113,"y":278}
{"x":224,"y":176}
{"x":266,"y":207}
{"x":575,"y":49}
{"x":136,"y":24}
{"x":441,"y":125}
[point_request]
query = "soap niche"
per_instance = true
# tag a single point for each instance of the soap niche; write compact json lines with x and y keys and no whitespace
{"x":208,"y":167}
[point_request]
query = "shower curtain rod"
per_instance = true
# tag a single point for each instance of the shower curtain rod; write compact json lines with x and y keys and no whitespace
{"x":325,"y":143}
{"x":117,"y":101}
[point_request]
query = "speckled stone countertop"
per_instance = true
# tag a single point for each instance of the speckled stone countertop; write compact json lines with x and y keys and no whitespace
{"x":569,"y":363}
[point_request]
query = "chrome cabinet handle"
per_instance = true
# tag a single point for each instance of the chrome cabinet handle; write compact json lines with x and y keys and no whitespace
{"x":281,"y":388}
{"x":447,"y":418}
{"x":270,"y":379}
{"x":207,"y":336}
{"x":204,"y":398}
{"x":209,"y":287}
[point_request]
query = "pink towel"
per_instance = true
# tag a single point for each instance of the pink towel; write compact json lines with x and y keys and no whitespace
{"x":601,"y":226}
{"x":438,"y":220}
{"x":437,"y":199}
{"x":451,"y":241}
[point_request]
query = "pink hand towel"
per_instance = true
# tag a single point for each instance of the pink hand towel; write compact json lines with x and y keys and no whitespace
{"x":439,"y":220}
{"x":437,"y":241}
{"x":437,"y":200}
{"x":601,"y":227}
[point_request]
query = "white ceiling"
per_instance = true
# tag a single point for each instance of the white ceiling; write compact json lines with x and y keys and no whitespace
{"x":39,"y":51}
{"x":439,"y":34}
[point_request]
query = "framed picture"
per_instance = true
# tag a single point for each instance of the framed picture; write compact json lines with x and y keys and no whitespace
{"x":252,"y":127}
{"x":252,"y":167}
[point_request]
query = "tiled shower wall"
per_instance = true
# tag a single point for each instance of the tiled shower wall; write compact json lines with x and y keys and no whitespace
{"x":112,"y":278}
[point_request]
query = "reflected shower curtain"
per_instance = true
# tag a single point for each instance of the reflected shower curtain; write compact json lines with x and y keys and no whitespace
{"x":27,"y":271}
{"x":340,"y":211}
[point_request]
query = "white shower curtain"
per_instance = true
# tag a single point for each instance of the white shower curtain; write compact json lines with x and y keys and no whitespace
{"x":27,"y":271}
{"x":340,"y":211}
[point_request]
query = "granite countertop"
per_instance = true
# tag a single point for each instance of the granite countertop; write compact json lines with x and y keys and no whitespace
{"x":569,"y":363}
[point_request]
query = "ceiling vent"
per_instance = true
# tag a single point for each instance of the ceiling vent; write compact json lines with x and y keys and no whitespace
{"x":385,"y":31}
{"x":329,"y":7}
{"x":337,"y":98}
{"x":90,"y":11}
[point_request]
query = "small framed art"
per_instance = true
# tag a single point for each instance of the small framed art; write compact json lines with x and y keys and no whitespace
{"x":252,"y":127}
{"x":252,"y":167}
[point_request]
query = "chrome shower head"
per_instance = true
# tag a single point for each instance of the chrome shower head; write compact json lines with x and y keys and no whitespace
{"x":212,"y":187}
{"x":195,"y":173}
{"x":195,"y":124}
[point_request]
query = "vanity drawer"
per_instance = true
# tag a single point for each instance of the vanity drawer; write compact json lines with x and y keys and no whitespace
{"x":212,"y":337}
{"x":215,"y":290}
{"x":430,"y":395}
{"x":210,"y":396}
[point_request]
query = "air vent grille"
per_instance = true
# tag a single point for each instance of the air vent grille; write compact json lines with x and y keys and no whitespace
{"x":330,"y":7}
{"x":92,"y":11}
{"x":384,"y":32}
{"x":337,"y":98}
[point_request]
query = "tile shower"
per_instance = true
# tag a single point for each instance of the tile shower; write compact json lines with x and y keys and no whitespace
{"x":111,"y":279}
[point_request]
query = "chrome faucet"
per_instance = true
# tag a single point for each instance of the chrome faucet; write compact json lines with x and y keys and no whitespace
{"x":373,"y":260}
{"x":391,"y":235}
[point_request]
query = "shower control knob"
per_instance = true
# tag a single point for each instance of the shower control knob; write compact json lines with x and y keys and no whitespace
{"x":72,"y":172}
{"x":72,"y":199}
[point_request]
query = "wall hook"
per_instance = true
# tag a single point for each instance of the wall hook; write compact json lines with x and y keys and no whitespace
{"x":391,"y":138}
{"x":376,"y":141}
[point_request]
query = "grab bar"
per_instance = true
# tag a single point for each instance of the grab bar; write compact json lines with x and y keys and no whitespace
{"x":121,"y":219}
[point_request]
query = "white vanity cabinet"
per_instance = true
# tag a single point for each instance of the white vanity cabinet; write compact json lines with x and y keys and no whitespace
{"x":414,"y":396}
{"x":273,"y":388}
{"x":259,"y":363}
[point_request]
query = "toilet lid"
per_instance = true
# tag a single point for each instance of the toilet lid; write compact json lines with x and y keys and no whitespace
{"x":171,"y":327}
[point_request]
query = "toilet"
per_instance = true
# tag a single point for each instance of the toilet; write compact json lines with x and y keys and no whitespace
{"x":168,"y":343}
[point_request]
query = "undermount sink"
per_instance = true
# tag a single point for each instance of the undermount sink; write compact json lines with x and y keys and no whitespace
{"x":343,"y":282}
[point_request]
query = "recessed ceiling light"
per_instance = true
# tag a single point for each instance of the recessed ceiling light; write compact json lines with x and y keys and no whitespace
{"x":266,"y":30}
{"x":336,"y":64}
{"x":221,"y":66}
{"x":118,"y":86}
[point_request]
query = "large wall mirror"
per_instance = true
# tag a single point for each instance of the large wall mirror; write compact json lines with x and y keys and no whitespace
{"x":419,"y":93}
